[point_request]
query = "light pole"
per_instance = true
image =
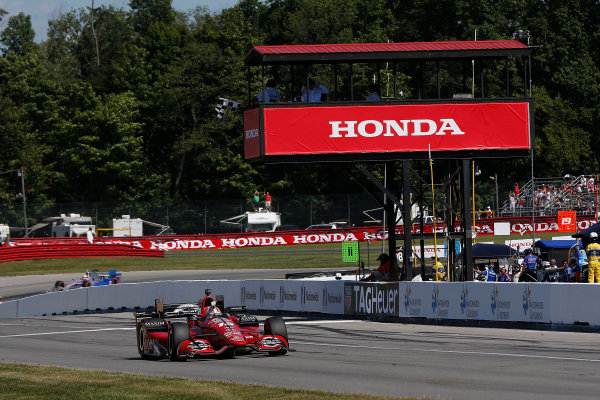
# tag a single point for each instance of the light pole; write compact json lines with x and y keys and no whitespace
{"x":495,"y":179}
{"x":21,"y":172}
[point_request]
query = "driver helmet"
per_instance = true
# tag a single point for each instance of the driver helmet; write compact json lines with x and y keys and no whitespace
{"x":213,"y":311}
{"x":383,"y":257}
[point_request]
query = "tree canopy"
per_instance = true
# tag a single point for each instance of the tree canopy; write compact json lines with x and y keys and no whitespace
{"x":118,"y":104}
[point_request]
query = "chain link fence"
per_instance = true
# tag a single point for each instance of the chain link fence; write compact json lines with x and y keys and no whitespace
{"x":201,"y":216}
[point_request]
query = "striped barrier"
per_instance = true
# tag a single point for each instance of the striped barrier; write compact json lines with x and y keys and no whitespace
{"x":75,"y":250}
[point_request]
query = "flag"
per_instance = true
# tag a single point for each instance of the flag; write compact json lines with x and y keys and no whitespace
{"x":225,"y":107}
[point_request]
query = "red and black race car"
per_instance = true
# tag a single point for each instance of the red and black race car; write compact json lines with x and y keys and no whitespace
{"x":207,"y":331}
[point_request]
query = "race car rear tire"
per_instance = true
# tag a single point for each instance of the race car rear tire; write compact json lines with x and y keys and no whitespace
{"x":178,"y":333}
{"x":141,"y":336}
{"x":276,"y":326}
{"x":145,"y":325}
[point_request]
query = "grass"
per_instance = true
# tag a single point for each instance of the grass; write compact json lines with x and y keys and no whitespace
{"x":18,"y":381}
{"x":244,"y":258}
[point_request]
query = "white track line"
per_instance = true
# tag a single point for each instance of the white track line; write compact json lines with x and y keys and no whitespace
{"x":480,"y":353}
{"x":62,"y":332}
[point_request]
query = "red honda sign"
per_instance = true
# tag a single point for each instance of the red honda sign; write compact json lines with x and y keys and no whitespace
{"x":395,"y":128}
{"x":251,"y":133}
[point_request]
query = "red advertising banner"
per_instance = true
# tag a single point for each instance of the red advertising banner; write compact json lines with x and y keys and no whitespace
{"x":269,"y":239}
{"x":395,"y":128}
{"x":567,"y":221}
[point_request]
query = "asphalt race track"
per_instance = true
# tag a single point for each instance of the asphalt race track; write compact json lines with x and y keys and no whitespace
{"x":340,"y":356}
{"x":14,"y":287}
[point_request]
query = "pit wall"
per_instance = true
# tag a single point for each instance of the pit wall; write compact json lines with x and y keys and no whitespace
{"x":523,"y":302}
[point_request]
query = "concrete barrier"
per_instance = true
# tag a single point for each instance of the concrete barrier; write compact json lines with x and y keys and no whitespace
{"x":518,"y":302}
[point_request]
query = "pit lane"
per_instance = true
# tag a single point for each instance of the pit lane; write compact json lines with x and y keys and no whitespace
{"x":339,"y":355}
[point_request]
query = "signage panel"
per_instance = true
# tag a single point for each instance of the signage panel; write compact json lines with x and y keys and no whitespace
{"x":395,"y":128}
{"x":252,"y":133}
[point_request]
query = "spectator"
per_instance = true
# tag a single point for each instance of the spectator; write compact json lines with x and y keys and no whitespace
{"x":512,"y":202}
{"x":267,"y":201}
{"x":90,"y":236}
{"x":488,"y":212}
{"x":316,"y":92}
{"x":516,"y":189}
{"x":270,"y":94}
{"x":383,"y":272}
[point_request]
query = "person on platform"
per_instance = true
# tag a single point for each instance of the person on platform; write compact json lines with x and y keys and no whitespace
{"x":256,"y":200}
{"x":593,"y":254}
{"x":268,"y":199}
{"x":383,"y":272}
{"x":373,"y":93}
{"x":316,"y":92}
{"x":270,"y":94}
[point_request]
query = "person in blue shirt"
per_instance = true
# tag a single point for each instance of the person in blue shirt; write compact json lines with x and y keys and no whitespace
{"x":489,"y":273}
{"x":530,"y":264}
{"x":270,"y":94}
{"x":504,"y":276}
{"x":567,"y":272}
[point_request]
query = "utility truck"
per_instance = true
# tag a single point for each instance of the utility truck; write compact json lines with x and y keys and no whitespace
{"x":256,"y":221}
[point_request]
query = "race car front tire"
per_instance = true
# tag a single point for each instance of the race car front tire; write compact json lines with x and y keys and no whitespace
{"x":178,"y":333}
{"x":276,"y":326}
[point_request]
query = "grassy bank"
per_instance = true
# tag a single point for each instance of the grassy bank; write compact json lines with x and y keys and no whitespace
{"x":19,"y":381}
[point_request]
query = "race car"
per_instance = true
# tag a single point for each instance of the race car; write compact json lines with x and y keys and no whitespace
{"x":207,"y":331}
{"x":93,"y":278}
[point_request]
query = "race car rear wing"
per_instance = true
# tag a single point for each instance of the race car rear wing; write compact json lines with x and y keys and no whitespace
{"x":182,"y":309}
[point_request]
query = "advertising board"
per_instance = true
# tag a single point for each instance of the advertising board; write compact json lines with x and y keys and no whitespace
{"x":388,"y":128}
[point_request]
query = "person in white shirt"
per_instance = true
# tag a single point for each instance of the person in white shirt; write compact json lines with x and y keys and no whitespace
{"x":270,"y":94}
{"x":90,"y":236}
{"x":315,"y":91}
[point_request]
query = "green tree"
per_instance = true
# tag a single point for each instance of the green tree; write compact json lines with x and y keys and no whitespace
{"x":18,"y":35}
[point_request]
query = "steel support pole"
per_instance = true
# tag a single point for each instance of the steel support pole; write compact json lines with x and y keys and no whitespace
{"x":407,"y":219}
{"x":467,"y":253}
{"x":390,"y":208}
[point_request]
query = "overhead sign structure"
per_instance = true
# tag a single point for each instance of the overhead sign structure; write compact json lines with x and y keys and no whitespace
{"x":389,"y":131}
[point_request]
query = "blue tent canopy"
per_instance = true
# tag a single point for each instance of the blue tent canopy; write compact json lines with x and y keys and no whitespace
{"x":555,"y":244}
{"x":482,"y":250}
